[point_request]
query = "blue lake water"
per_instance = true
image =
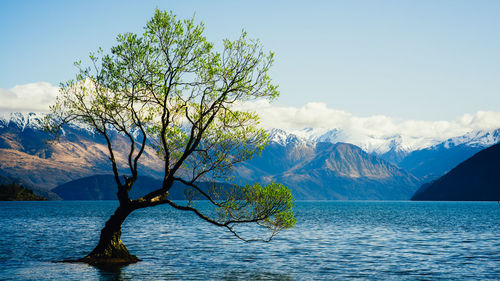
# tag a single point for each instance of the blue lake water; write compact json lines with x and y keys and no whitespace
{"x":332,"y":240}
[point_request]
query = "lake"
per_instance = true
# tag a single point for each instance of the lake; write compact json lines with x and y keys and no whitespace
{"x":332,"y":240}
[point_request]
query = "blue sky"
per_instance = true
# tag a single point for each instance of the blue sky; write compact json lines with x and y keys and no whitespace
{"x":422,"y":60}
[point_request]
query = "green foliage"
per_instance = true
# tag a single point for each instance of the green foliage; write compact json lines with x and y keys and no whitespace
{"x":270,"y":206}
{"x":274,"y":202}
{"x":171,"y":89}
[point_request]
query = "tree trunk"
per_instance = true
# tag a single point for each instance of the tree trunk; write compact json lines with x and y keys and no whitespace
{"x":110,"y":250}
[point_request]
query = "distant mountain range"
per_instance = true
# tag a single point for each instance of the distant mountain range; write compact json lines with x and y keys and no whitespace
{"x":476,"y":179}
{"x":321,"y":170}
{"x":314,"y":163}
{"x":431,"y":163}
{"x":424,"y":162}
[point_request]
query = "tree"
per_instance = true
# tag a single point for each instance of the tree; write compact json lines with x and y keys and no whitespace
{"x":171,"y":90}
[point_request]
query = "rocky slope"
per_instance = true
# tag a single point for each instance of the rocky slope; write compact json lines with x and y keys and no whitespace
{"x":29,"y":153}
{"x":327,"y":171}
{"x":425,"y":158}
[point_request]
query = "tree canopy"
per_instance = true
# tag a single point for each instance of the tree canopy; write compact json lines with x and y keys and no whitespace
{"x":171,"y":89}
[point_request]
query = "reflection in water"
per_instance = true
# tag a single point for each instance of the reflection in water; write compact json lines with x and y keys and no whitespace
{"x":111,"y":272}
{"x":105,"y":272}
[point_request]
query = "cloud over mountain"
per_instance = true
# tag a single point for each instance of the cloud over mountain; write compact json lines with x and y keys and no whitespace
{"x":36,"y":97}
{"x":355,"y":129}
{"x":33,"y":97}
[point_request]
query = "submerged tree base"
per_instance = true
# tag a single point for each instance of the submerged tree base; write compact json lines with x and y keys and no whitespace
{"x":110,"y":251}
{"x":105,"y":261}
{"x":113,"y":252}
{"x":102,"y":260}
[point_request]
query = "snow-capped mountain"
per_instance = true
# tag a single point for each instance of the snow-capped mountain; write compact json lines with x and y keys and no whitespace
{"x":27,"y":153}
{"x":21,"y":120}
{"x":33,"y":121}
{"x":326,"y":171}
{"x":434,"y":161}
{"x":281,"y":137}
{"x":424,"y":157}
{"x":384,"y":145}
{"x":483,"y":138}
{"x":369,"y":143}
{"x":334,"y":171}
{"x":341,"y":165}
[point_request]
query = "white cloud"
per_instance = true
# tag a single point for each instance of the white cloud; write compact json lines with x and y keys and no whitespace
{"x":33,"y":97}
{"x":365,"y":130}
{"x":36,"y":97}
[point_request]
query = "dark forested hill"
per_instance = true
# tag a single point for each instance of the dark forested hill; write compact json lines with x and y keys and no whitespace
{"x":37,"y":191}
{"x":103,"y":187}
{"x":15,"y":192}
{"x":476,"y":179}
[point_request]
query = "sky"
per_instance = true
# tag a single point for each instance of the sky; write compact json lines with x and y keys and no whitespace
{"x":403,"y":61}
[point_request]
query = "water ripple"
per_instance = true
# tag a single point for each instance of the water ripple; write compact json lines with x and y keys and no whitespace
{"x":332,"y":241}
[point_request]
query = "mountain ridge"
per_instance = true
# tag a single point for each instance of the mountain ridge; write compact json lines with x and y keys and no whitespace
{"x":426,"y":163}
{"x":28,"y":152}
{"x":329,"y":171}
{"x":335,"y":170}
{"x":370,"y":144}
{"x":475,"y":179}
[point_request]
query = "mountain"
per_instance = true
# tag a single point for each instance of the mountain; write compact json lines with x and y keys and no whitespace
{"x":312,"y":171}
{"x":433,"y":162}
{"x":315,"y":163}
{"x":327,"y":171}
{"x":382,"y":144}
{"x":426,"y":158}
{"x":284,"y":151}
{"x":103,"y":187}
{"x":476,"y":179}
{"x":346,"y":172}
{"x":288,"y":151}
{"x":27,"y":152}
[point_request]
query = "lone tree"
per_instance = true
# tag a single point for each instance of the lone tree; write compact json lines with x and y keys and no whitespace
{"x":171,"y":90}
